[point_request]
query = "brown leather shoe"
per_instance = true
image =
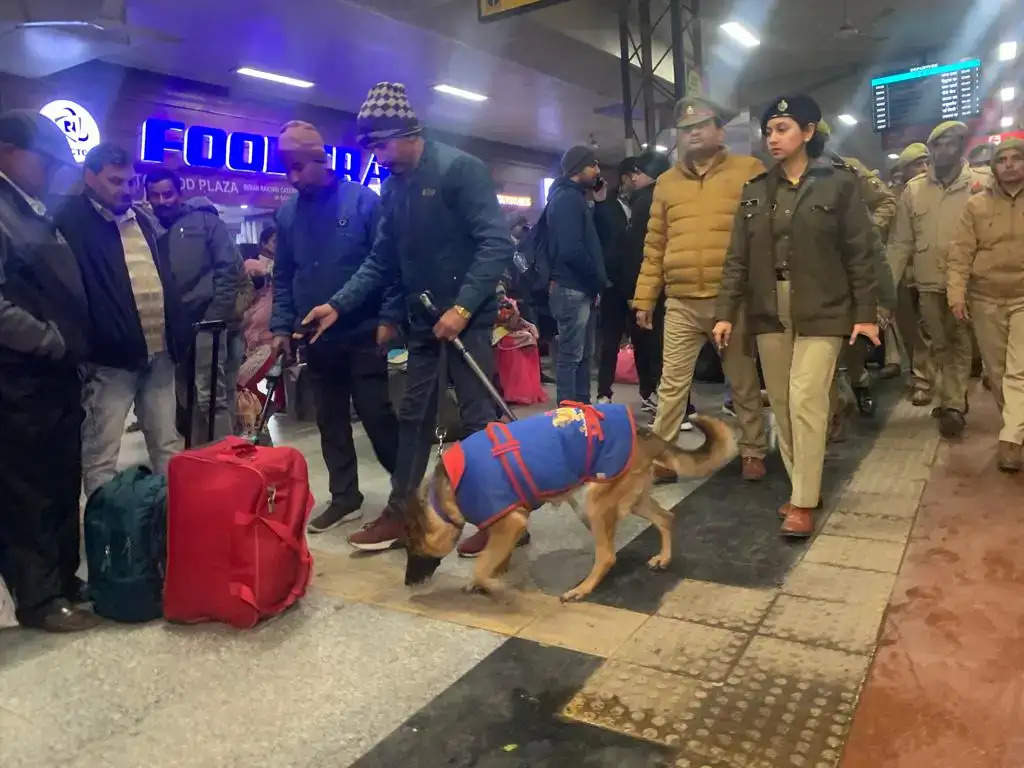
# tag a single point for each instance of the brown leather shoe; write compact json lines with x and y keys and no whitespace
{"x":663,"y":475}
{"x":60,"y":616}
{"x":799,"y":523}
{"x":1009,"y":456}
{"x":784,"y":509}
{"x":753,"y":468}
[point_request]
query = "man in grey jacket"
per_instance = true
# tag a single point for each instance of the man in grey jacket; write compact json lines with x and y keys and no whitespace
{"x":207,"y":269}
{"x":44,"y":332}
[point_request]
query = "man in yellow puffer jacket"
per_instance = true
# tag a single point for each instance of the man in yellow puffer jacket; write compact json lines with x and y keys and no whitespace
{"x":684,"y":252}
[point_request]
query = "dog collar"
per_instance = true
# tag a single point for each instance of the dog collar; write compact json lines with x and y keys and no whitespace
{"x":432,"y":498}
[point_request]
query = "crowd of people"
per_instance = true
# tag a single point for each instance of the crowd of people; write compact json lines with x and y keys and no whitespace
{"x":794,"y":272}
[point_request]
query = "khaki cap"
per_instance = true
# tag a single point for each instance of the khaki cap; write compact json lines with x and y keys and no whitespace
{"x":693,"y":110}
{"x":1005,"y":146}
{"x":950,"y":125}
{"x":911,"y":153}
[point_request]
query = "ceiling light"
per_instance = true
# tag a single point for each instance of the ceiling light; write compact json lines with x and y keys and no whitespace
{"x":847,"y":119}
{"x":243,"y":206}
{"x":1006,"y":122}
{"x":1008,"y":50}
{"x":659,"y":148}
{"x":451,"y":90}
{"x":740,"y":34}
{"x":893,"y":156}
{"x":1007,"y":94}
{"x":274,"y":78}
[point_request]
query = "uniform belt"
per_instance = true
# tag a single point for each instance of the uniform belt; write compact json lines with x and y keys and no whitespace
{"x":782,"y":275}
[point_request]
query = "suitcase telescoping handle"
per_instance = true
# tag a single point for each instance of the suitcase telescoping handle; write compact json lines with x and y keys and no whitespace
{"x":215,"y":328}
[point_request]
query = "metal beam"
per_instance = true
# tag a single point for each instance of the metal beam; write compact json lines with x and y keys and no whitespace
{"x":640,"y":22}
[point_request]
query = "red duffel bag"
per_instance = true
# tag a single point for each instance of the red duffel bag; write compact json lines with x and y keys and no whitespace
{"x":236,"y":533}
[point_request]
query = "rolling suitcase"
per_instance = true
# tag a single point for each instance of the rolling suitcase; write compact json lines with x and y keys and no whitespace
{"x":236,"y":532}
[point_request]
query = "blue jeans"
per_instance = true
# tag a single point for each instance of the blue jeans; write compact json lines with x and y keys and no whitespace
{"x":574,"y":313}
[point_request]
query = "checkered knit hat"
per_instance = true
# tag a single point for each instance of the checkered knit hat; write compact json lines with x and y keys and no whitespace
{"x":386,"y":114}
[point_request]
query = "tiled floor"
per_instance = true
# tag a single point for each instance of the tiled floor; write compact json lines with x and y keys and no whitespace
{"x":750,"y":652}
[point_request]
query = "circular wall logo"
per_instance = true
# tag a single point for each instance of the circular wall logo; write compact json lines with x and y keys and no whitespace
{"x":77,"y":124}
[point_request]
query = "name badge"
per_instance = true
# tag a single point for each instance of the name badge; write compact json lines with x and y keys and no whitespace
{"x":750,"y":203}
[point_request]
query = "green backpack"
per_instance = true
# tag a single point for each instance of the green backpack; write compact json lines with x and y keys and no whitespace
{"x":125,"y":545}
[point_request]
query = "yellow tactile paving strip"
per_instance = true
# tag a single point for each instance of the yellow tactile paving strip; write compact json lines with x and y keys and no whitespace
{"x":730,"y":676}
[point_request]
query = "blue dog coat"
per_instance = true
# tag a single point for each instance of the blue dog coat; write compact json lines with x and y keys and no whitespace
{"x":523,"y":463}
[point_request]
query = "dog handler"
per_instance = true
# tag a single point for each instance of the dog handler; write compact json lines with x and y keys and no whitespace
{"x":800,"y":260}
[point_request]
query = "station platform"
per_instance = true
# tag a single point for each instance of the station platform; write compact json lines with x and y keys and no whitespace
{"x":892,"y":638}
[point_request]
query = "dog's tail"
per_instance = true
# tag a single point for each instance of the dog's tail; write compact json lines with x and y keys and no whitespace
{"x":718,"y":449}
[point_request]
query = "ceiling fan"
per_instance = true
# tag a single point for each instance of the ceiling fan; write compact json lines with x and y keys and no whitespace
{"x":850,"y":31}
{"x":104,"y":20}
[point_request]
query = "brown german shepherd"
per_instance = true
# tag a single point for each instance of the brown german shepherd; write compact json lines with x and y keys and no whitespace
{"x":431,"y":537}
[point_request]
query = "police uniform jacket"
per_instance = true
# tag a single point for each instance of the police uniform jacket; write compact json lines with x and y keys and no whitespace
{"x":830,"y":270}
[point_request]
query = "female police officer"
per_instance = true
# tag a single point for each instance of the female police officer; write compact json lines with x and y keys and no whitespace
{"x":800,"y":260}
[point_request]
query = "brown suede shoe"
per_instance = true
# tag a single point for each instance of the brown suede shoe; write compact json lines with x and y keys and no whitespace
{"x":1009,"y":456}
{"x":799,"y":523}
{"x":664,"y":475}
{"x":753,"y":468}
{"x":921,"y":397}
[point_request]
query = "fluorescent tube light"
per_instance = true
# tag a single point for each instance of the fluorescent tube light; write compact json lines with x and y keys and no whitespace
{"x":274,"y":78}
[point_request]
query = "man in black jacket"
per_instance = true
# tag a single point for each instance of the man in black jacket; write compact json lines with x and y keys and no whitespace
{"x":138,"y":328}
{"x":324,"y":234}
{"x":623,"y":256}
{"x":441,"y":231}
{"x":577,"y":271}
{"x":44,"y":329}
{"x":611,"y":218}
{"x":207,"y":270}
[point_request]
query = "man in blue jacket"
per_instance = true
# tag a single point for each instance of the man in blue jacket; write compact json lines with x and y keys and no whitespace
{"x":577,"y":271}
{"x":324,"y":234}
{"x":441,"y":231}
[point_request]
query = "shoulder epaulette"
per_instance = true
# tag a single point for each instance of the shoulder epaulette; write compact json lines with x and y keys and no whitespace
{"x":762,"y":175}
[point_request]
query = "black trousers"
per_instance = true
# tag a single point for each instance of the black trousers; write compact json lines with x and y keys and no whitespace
{"x":417,"y":413}
{"x":343,"y":375}
{"x":617,"y":318}
{"x":40,"y":481}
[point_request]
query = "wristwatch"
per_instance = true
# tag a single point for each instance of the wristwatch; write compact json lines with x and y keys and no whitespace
{"x":462,"y":312}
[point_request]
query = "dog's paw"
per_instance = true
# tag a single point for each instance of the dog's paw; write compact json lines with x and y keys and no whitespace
{"x":574,"y":595}
{"x":658,"y":563}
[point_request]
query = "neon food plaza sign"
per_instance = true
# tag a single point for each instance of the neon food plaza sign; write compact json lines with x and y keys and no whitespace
{"x":203,"y":146}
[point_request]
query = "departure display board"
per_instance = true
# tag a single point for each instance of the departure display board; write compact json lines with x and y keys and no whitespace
{"x":490,"y":10}
{"x":927,"y":95}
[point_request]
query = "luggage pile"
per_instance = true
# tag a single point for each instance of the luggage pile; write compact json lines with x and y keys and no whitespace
{"x":222,"y":539}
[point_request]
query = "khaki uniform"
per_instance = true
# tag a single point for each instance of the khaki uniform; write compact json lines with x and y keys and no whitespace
{"x":684,"y":253}
{"x":800,"y":261}
{"x":926,"y":218}
{"x":881,"y":203}
{"x":986,"y":268}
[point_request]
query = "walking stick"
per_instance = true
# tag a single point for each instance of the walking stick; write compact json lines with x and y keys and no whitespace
{"x":428,"y":303}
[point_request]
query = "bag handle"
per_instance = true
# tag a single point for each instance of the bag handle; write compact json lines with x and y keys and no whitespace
{"x":244,"y":592}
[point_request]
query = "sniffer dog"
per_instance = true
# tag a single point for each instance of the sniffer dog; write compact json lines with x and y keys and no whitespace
{"x":497,"y":476}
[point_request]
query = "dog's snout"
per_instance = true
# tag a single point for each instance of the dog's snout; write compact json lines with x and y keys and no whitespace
{"x":419,"y":568}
